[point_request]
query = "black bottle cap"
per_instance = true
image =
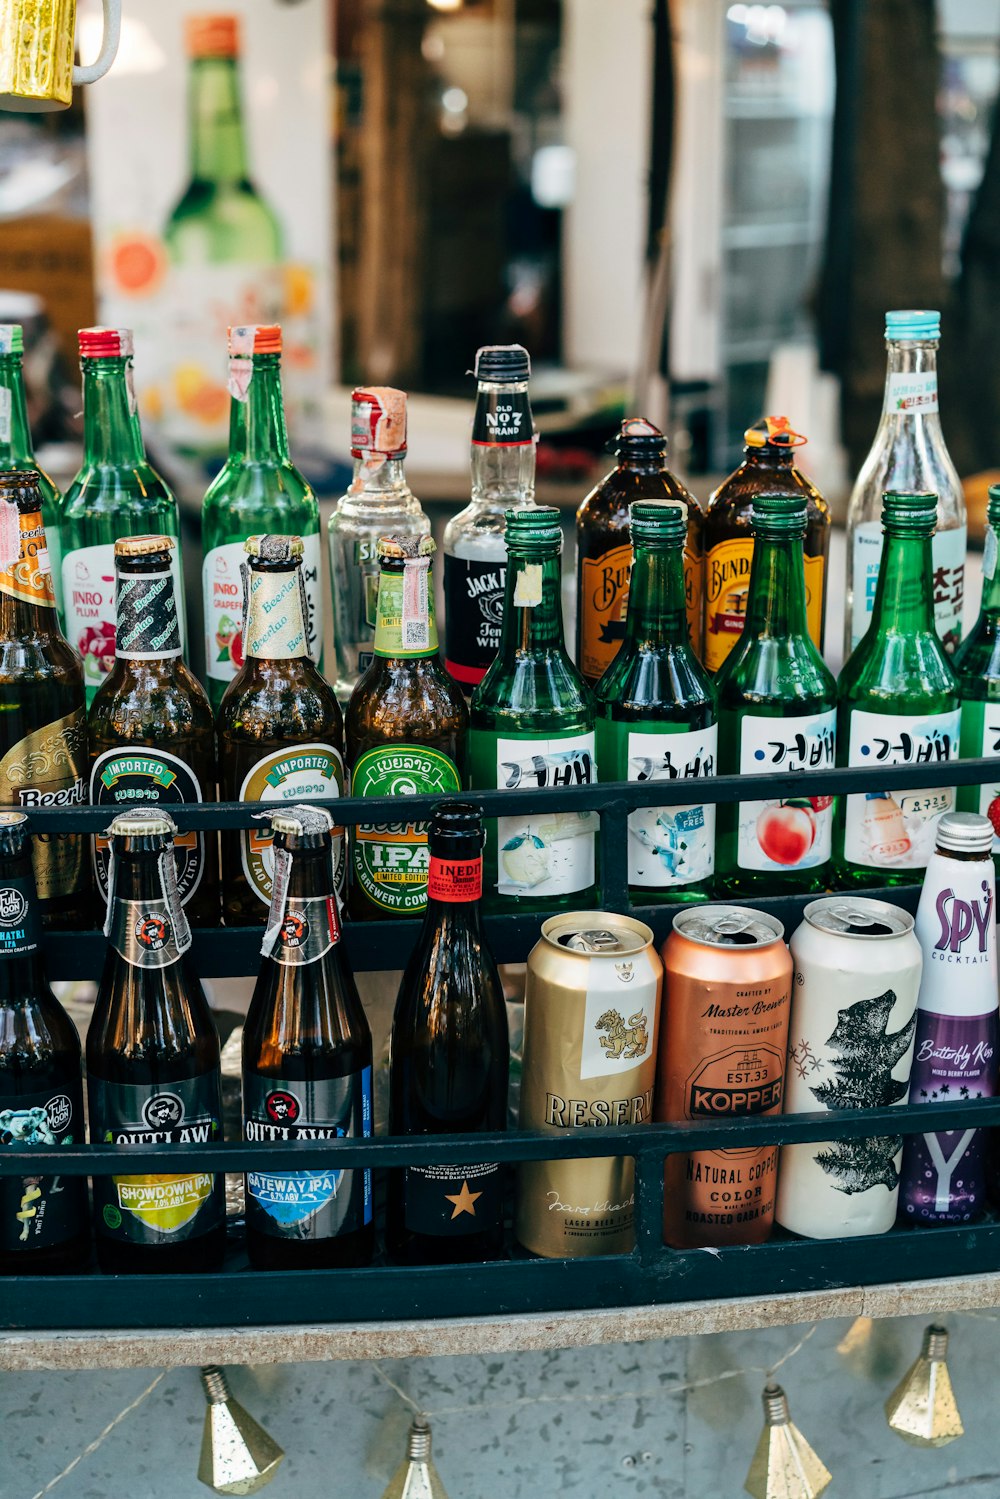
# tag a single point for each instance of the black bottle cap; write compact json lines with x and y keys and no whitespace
{"x":456,"y":831}
{"x":502,"y":364}
{"x":638,"y":438}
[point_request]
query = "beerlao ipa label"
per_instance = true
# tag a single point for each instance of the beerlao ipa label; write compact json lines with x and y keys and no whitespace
{"x":727,"y":587}
{"x":603,"y":604}
{"x":48,"y":768}
{"x":29,"y":578}
{"x":300,"y":773}
{"x":390,"y":857}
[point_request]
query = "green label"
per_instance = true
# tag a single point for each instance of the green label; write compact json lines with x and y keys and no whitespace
{"x":980,"y":740}
{"x":391,"y":858}
{"x":405,"y":625}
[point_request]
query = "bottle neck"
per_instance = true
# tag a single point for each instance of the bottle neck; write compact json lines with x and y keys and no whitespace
{"x":27,"y":600}
{"x":904,"y":604}
{"x":275,"y":614}
{"x":15,"y":435}
{"x":147,"y":626}
{"x":22,"y":971}
{"x":769,"y":457}
{"x":257,"y":431}
{"x":657,"y":606}
{"x":532,"y":610}
{"x":776,"y":604}
{"x":111,"y":433}
{"x":454,"y":891}
{"x":405,"y":626}
{"x":911,"y":388}
{"x":218,"y":149}
{"x":503,"y":446}
{"x":378,"y":477}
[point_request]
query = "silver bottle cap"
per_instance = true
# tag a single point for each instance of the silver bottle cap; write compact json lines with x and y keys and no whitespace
{"x":964,"y":833}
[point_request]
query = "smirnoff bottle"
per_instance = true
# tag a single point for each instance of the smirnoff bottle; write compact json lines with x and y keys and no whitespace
{"x":503,"y":478}
{"x":908,"y":453}
{"x":977,"y":667}
{"x":943,"y":1177}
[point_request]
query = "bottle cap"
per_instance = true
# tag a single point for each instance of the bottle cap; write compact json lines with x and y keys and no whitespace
{"x":502,"y":364}
{"x":212,"y":36}
{"x":378,"y":421}
{"x":11,"y":338}
{"x":105,"y":343}
{"x":775,"y":432}
{"x":274,"y":548}
{"x":897,"y":506}
{"x":19,"y":486}
{"x":650,"y":521}
{"x":141,"y":822}
{"x":307,"y":825}
{"x":456,"y":831}
{"x":912,"y":326}
{"x":533,"y":523}
{"x":638,"y":438}
{"x":142,"y":546}
{"x":254,"y":338}
{"x":785,"y":511}
{"x":14,"y":832}
{"x":964,"y":833}
{"x":405,"y":546}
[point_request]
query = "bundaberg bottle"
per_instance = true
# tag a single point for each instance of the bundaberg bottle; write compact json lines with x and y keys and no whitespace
{"x":977,"y":666}
{"x":16,"y":448}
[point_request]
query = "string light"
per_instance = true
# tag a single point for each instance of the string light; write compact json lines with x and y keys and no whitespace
{"x":922,"y":1409}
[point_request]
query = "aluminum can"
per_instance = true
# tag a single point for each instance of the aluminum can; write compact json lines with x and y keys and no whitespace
{"x":727,"y":991}
{"x":850,"y":1046}
{"x":591,"y":1010}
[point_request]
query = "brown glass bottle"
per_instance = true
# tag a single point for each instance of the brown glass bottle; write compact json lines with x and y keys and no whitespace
{"x":280,"y":730}
{"x":153,"y":1064}
{"x":150,"y":726}
{"x":307,"y":1064}
{"x":43,"y":723}
{"x":407,"y":728}
{"x":43,"y":1219}
{"x":768,"y":467}
{"x":604,"y":551}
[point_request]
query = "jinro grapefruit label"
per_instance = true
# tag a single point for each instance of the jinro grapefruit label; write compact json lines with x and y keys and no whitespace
{"x":301,"y":773}
{"x":391,"y":859}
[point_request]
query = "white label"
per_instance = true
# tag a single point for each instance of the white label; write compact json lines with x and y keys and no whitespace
{"x":415,"y":621}
{"x":671,"y":845}
{"x":222,"y":595}
{"x":913,"y":392}
{"x":528,"y":586}
{"x":619,"y":1026}
{"x":867,"y":547}
{"x":554,"y":854}
{"x":796,"y":832}
{"x":989,"y":554}
{"x":5,"y":413}
{"x":896,"y":830}
{"x":948,"y":559}
{"x":88,"y":579}
{"x":300,"y":773}
{"x":956,"y":928}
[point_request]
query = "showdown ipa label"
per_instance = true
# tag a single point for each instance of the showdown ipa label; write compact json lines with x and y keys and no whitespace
{"x":390,"y":858}
{"x":300,"y":773}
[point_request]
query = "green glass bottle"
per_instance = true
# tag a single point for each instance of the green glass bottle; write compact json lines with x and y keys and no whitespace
{"x":899,"y":705}
{"x":976,"y":664}
{"x":656,"y":715}
{"x":532,"y":725}
{"x":258,"y":492}
{"x":777,"y":712}
{"x":16,"y":450}
{"x":116,"y":493}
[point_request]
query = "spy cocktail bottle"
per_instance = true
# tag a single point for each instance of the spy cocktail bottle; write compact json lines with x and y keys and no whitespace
{"x":16,"y":448}
{"x":977,"y":666}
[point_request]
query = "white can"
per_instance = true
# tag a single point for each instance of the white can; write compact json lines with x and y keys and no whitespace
{"x":850,"y":1046}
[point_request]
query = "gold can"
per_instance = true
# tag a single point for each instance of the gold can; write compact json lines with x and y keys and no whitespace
{"x":591,"y":1011}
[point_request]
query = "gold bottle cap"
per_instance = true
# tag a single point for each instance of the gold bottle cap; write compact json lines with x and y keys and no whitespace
{"x":141,"y":822}
{"x":406,"y":546}
{"x":274,"y":548}
{"x":142,"y":546}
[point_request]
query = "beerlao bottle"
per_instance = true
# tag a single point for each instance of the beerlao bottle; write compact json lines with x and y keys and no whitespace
{"x":768,"y":467}
{"x":44,"y":760}
{"x":604,"y":552}
{"x":307,"y":1064}
{"x":153,"y":1063}
{"x":152,"y":738}
{"x":280,"y":729}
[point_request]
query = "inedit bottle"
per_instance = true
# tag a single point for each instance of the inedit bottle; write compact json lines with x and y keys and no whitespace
{"x":977,"y":667}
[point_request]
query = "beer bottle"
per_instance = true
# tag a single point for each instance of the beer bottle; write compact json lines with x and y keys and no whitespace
{"x":768,"y":467}
{"x":153,"y":1063}
{"x":603,"y":552}
{"x":307,"y":1063}
{"x":777,"y":713}
{"x":899,"y":705}
{"x":258,"y":490}
{"x":16,"y":448}
{"x":378,"y":503}
{"x":116,"y":493}
{"x":448,"y":1059}
{"x":150,"y":726}
{"x":977,"y":666}
{"x":407,"y":725}
{"x":503,"y":478}
{"x":44,"y":741}
{"x":280,"y":729}
{"x":43,"y":1219}
{"x":656,"y":716}
{"x":532,"y":725}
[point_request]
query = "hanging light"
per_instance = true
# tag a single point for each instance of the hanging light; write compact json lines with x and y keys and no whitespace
{"x":922,"y":1409}
{"x":784,"y":1465}
{"x":237,"y":1455}
{"x":416,"y":1477}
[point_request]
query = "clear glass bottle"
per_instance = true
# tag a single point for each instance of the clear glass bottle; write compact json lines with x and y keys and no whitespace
{"x":378,"y":503}
{"x":503,"y":478}
{"x":16,"y":449}
{"x":908,"y":456}
{"x":977,"y":667}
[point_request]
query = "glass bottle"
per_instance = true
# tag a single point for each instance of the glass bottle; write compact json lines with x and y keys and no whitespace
{"x":768,"y":467}
{"x":448,"y":1059}
{"x":899,"y":705}
{"x":908,"y":455}
{"x":378,"y":503}
{"x":44,"y":761}
{"x":656,"y":716}
{"x":43,"y":1219}
{"x":153,"y":1064}
{"x":280,"y":730}
{"x":777,"y":703}
{"x":604,"y":554}
{"x":307,"y":1063}
{"x":16,"y":448}
{"x":116,"y":493}
{"x":532,"y":725}
{"x":150,"y":727}
{"x":407,"y":726}
{"x":503,"y":478}
{"x":258,"y":490}
{"x":976,"y":664}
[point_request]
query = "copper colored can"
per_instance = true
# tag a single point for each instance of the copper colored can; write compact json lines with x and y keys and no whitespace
{"x":723,"y":1041}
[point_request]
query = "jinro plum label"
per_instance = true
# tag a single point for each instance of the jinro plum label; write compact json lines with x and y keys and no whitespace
{"x":794,"y":832}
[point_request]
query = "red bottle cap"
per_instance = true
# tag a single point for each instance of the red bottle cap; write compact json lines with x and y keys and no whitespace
{"x":105,"y":343}
{"x":212,"y":36}
{"x":257,"y":338}
{"x":378,"y":421}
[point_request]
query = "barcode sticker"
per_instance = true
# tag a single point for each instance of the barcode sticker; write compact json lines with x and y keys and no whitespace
{"x":416,"y":616}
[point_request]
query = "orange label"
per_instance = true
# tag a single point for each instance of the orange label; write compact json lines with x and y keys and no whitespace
{"x":455,"y":880}
{"x":814,"y":598}
{"x":29,"y":579}
{"x":602,"y":604}
{"x":727,"y":587}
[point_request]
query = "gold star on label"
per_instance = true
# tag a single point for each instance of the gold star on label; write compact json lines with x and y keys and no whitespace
{"x":464,"y":1201}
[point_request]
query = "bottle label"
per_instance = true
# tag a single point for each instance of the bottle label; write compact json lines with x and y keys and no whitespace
{"x":88,"y":577}
{"x":222,"y":594}
{"x":948,"y":560}
{"x":141,"y":777}
{"x":317,"y":1204}
{"x":448,"y":1202}
{"x":917,"y":391}
{"x":502,"y":420}
{"x":944,"y":1173}
{"x":956,"y":929}
{"x":47,"y":768}
{"x":796,"y":831}
{"x":814,"y":569}
{"x":275,"y":628}
{"x":405,"y":626}
{"x":37,"y":1212}
{"x":473,"y":616}
{"x":309,"y":930}
{"x":667,"y":846}
{"x":30,"y":578}
{"x":18,"y":918}
{"x":981,"y":741}
{"x":301,"y":773}
{"x":603,"y":603}
{"x":6,"y":413}
{"x":391,"y":859}
{"x":896,"y":830}
{"x":455,"y":881}
{"x":146,"y":933}
{"x":148,"y":626}
{"x":545,"y":854}
{"x":727,"y":586}
{"x":157,"y":1209}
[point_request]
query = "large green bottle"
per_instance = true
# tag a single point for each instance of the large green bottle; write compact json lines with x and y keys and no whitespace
{"x":532,"y":725}
{"x":777,"y":712}
{"x":16,"y":450}
{"x":258,"y":492}
{"x":899,"y":705}
{"x":656,"y":715}
{"x":977,"y":666}
{"x":116,"y":493}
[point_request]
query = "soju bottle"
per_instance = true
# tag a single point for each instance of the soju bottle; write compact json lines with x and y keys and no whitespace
{"x":503,"y":478}
{"x":908,"y":455}
{"x":899,"y":705}
{"x":977,"y":666}
{"x":116,"y":493}
{"x":777,"y":712}
{"x":532,"y":725}
{"x":16,"y":450}
{"x":258,"y":491}
{"x":656,"y":715}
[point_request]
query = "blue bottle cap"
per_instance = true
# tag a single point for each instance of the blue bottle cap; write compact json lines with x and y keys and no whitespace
{"x":913,"y":325}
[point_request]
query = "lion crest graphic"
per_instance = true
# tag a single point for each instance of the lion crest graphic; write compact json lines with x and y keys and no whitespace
{"x":623,"y":1041}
